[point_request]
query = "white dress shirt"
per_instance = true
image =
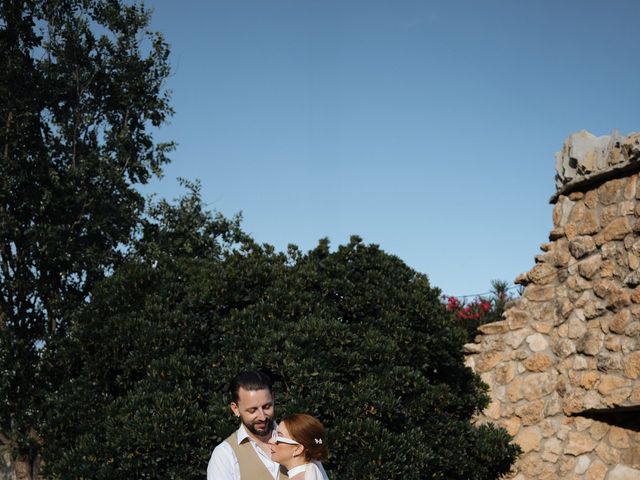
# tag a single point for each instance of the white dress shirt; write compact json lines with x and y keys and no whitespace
{"x":223,"y":464}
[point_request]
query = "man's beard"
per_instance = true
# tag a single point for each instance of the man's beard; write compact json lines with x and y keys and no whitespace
{"x":261,"y":432}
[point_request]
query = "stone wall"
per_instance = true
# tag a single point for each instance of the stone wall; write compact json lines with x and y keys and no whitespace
{"x":563,"y":364}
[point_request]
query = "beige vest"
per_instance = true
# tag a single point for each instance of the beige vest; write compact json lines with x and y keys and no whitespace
{"x":251,"y":467}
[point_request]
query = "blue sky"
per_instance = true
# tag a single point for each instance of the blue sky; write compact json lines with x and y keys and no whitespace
{"x":426,"y":127}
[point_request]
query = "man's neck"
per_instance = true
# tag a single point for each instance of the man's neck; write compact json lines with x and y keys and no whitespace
{"x":260,"y":439}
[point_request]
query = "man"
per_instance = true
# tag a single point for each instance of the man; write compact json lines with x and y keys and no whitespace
{"x":246,"y":453}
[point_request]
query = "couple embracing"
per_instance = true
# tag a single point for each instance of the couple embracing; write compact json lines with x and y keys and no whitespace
{"x":261,"y":449}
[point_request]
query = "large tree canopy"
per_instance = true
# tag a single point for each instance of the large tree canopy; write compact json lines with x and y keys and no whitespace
{"x":356,"y":337}
{"x":80,"y":93}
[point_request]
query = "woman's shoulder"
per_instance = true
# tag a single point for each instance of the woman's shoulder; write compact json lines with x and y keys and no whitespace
{"x":315,"y":471}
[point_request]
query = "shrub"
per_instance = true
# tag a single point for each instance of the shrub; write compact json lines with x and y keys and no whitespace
{"x":354,"y":335}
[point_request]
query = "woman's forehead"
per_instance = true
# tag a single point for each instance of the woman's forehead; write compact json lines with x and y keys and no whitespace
{"x":282,"y":429}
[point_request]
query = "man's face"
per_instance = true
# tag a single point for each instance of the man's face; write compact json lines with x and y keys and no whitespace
{"x":255,"y":409}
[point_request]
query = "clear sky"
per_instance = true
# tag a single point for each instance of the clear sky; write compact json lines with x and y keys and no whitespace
{"x":427,"y":127}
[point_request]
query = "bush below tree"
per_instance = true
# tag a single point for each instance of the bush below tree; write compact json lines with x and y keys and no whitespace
{"x":355,"y":337}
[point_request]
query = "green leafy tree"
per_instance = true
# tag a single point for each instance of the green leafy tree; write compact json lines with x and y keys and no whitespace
{"x":81,"y":91}
{"x":354,"y":335}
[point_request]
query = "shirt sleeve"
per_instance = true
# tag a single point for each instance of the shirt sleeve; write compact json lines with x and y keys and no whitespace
{"x":223,"y":464}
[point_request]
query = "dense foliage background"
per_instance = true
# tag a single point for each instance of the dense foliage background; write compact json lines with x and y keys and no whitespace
{"x":81,"y":91}
{"x":121,"y":323}
{"x":355,"y":336}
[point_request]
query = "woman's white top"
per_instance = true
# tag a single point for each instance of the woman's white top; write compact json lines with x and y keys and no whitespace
{"x":312,"y":471}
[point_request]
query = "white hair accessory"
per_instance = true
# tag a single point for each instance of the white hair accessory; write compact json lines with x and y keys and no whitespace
{"x":318,"y":441}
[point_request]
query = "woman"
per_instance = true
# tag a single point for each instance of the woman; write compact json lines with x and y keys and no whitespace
{"x":299,"y":446}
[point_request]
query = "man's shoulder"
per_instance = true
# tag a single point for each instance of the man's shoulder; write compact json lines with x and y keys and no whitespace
{"x":225,"y":447}
{"x":223,"y":462}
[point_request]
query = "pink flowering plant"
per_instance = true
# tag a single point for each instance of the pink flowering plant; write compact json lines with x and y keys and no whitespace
{"x":471,"y":314}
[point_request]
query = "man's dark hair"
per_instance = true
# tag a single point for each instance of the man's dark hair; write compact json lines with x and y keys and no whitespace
{"x":249,"y":381}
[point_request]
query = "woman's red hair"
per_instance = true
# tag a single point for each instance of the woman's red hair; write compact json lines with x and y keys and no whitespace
{"x":309,"y":432}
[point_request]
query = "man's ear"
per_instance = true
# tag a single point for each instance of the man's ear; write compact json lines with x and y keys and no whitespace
{"x":235,"y":409}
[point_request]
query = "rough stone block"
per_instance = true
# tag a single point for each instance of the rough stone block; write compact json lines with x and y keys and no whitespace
{"x":596,"y":471}
{"x":494,"y":327}
{"x":582,"y":463}
{"x":542,"y":274}
{"x":537,"y":342}
{"x":613,"y":344}
{"x":611,"y":192}
{"x":561,"y":211}
{"x":551,"y":450}
{"x":563,"y":347}
{"x":515,"y":338}
{"x":632,"y":330}
{"x":618,"y":397}
{"x":633,"y":279}
{"x":566,"y":465}
{"x":531,"y":412}
{"x":492,"y":342}
{"x":635,"y":295}
{"x":529,"y":439}
{"x":511,"y":425}
{"x":514,"y":390}
{"x":635,"y":245}
{"x":578,"y":363}
{"x":631,"y":456}
{"x":627,"y":207}
{"x":631,"y":365}
{"x":505,"y":372}
{"x":630,"y":187}
{"x":538,"y":385}
{"x":599,"y":430}
{"x":470,"y":348}
{"x":593,"y":308}
{"x":590,"y":343}
{"x":620,"y":321}
{"x":608,"y":269}
{"x":589,"y":267}
{"x":609,"y":383}
{"x":608,"y":214}
{"x":589,"y":379}
{"x":540,"y":293}
{"x":576,"y":328}
{"x":609,"y":363}
{"x":579,"y":443}
{"x":493,"y":410}
{"x":622,"y":472}
{"x":487,"y":360}
{"x":581,"y":246}
{"x":553,"y":405}
{"x":618,"y":437}
{"x":615,"y":230}
{"x":591,"y":199}
{"x":618,"y":298}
